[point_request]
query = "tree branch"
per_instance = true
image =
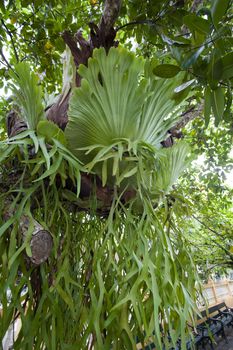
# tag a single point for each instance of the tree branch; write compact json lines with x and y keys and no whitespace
{"x":195,"y":5}
{"x":5,"y":60}
{"x":144,"y":21}
{"x":41,"y":241}
{"x":186,"y":117}
{"x":110,"y":14}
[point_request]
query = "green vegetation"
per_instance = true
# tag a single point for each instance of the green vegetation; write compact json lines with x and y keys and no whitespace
{"x":127,"y":234}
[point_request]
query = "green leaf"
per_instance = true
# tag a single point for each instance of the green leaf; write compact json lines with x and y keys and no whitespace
{"x":182,"y":91}
{"x":227,"y":115}
{"x":166,"y":70}
{"x":6,"y":225}
{"x":218,"y":10}
{"x":184,"y":86}
{"x":104,"y":172}
{"x":65,"y":296}
{"x":215,"y":68}
{"x":196,"y":23}
{"x":173,"y":162}
{"x":50,"y":131}
{"x":217,"y":104}
{"x":227,"y":66}
{"x":52,"y":170}
{"x":43,"y":148}
{"x":207,"y":105}
{"x":191,"y":59}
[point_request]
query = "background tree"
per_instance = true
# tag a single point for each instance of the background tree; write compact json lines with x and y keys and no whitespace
{"x":107,"y":261}
{"x":208,"y":223}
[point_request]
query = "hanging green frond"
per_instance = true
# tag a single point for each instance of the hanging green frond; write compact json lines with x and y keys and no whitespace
{"x":27,"y":94}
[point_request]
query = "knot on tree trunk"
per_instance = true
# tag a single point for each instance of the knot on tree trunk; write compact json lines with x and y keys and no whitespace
{"x":41,"y":242}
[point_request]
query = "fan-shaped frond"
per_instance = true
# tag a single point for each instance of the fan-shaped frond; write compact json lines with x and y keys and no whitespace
{"x":115,"y":101}
{"x":28,"y":94}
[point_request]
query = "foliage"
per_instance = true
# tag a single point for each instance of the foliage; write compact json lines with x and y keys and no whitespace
{"x":116,"y":102}
{"x":207,"y":224}
{"x":28,"y":95}
{"x":190,"y":36}
{"x":199,"y":43}
{"x":114,"y":279}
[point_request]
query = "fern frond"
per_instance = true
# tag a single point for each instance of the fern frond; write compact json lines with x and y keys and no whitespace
{"x":27,"y":94}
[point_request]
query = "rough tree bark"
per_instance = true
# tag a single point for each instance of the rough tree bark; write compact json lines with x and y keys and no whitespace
{"x":186,"y":117}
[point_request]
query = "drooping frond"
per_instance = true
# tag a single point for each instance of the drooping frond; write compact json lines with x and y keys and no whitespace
{"x":27,"y":94}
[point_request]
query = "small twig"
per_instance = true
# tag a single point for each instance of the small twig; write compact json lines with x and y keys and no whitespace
{"x":145,"y":21}
{"x":11,"y":38}
{"x":151,"y":22}
{"x":5,"y":60}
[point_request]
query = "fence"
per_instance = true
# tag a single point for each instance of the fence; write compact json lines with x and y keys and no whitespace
{"x":217,"y":291}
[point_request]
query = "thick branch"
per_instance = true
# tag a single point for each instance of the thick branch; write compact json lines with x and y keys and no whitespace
{"x":110,"y":14}
{"x":186,"y":117}
{"x":41,"y":242}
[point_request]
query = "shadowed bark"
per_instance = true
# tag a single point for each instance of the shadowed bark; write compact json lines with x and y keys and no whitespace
{"x":186,"y":117}
{"x":101,"y":35}
{"x":15,"y":125}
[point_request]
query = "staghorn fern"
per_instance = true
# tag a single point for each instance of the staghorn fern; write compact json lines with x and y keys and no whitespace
{"x":115,"y":101}
{"x":118,"y":117}
{"x":27,"y":94}
{"x":120,"y":278}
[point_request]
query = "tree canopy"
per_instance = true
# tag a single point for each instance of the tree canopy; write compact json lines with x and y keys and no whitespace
{"x":105,"y":105}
